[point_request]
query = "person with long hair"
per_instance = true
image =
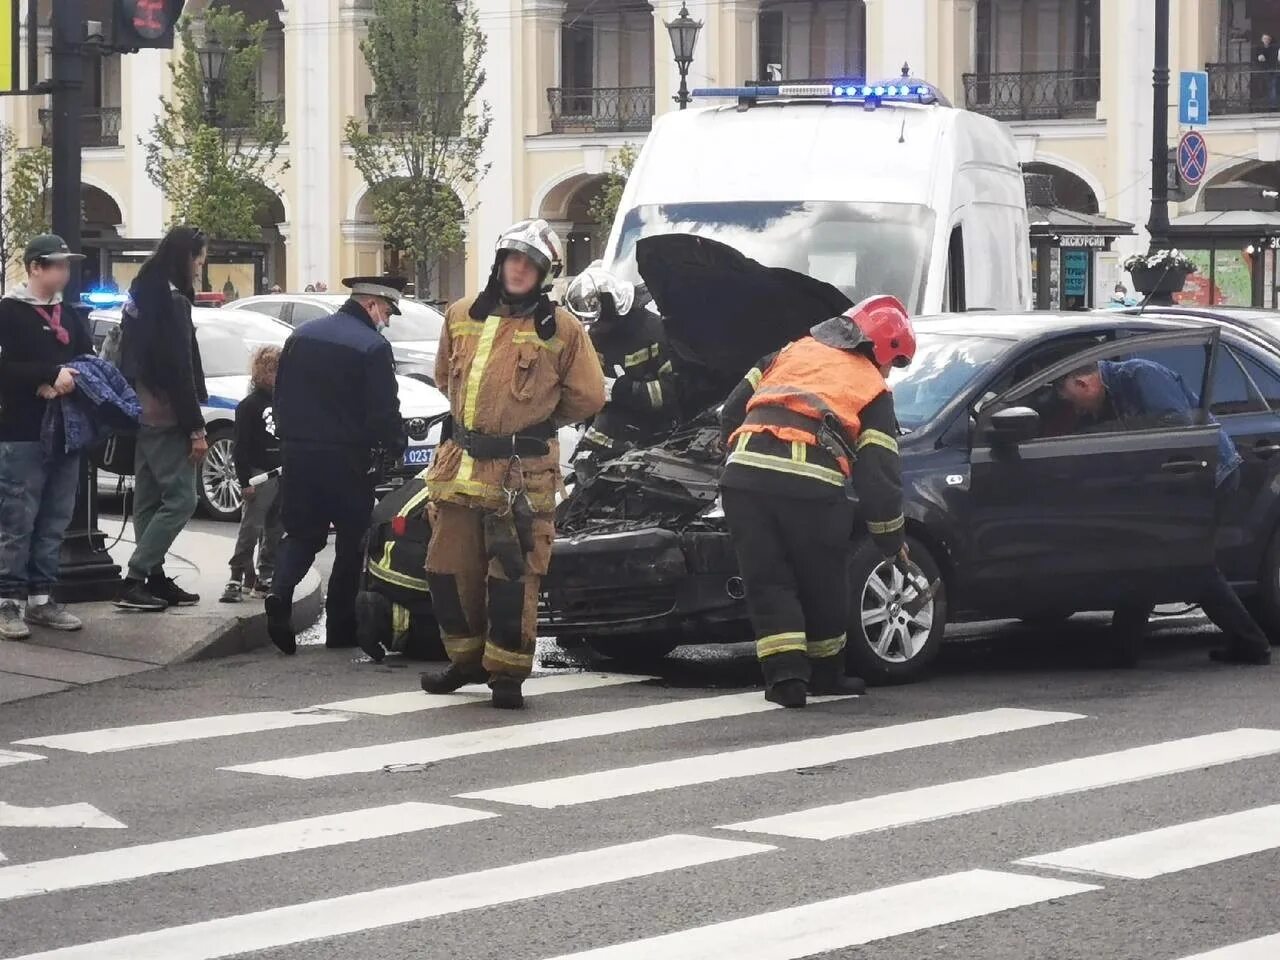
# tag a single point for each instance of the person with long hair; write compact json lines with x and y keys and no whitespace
{"x":159,"y":354}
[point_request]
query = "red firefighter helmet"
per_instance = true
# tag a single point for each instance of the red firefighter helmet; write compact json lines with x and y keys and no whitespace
{"x":883,"y":320}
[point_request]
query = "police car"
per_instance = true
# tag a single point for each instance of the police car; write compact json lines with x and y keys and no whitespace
{"x":227,"y":339}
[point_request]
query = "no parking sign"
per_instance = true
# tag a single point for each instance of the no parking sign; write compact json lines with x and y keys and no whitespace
{"x":1193,"y":158}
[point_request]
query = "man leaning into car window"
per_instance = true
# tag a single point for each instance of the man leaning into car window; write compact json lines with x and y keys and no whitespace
{"x":1141,"y":395}
{"x":792,"y":428}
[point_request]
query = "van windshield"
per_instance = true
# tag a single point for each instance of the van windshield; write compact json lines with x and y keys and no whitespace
{"x":861,"y":248}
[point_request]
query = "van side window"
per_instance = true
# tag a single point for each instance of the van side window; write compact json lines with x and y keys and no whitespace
{"x":955,"y":293}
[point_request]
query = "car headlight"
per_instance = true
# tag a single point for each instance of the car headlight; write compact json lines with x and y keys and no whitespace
{"x":714,"y":512}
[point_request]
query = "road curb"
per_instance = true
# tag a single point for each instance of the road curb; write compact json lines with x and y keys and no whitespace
{"x":243,"y":634}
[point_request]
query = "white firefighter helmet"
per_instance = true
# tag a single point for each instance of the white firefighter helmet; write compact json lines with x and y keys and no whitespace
{"x":583,"y":296}
{"x":537,"y":241}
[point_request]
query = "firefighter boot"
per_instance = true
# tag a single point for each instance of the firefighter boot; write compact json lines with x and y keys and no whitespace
{"x":829,"y":680}
{"x":452,"y":678}
{"x":787,"y":693}
{"x":506,"y":693}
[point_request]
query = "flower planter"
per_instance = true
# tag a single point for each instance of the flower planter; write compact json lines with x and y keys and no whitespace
{"x":1158,"y":280}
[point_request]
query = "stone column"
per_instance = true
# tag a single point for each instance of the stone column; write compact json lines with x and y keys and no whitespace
{"x":144,"y":75}
{"x":497,"y":195}
{"x":542,"y":22}
{"x":897,"y":33}
{"x":313,"y":136}
{"x":1128,"y":55}
{"x":739,"y":31}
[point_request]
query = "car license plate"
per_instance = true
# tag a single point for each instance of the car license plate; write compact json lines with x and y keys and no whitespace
{"x":418,"y":456}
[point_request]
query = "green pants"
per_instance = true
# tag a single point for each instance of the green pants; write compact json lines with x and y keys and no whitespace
{"x":164,"y":496}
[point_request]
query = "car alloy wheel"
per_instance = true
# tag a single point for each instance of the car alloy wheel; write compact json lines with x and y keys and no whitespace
{"x":896,"y":632}
{"x":219,"y":486}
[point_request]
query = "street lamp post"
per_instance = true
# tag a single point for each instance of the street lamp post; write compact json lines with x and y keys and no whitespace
{"x":1158,"y":220}
{"x":213,"y":66}
{"x":683,"y":31}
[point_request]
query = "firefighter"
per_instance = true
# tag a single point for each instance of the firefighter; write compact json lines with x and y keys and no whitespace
{"x":515,"y":368}
{"x":793,"y":429}
{"x":640,"y":383}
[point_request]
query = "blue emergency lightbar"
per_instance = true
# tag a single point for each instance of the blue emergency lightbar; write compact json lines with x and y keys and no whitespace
{"x":871,"y":94}
{"x":103,"y":298}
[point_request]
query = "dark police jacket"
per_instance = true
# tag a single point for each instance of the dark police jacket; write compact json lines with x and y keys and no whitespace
{"x":644,"y":401}
{"x":336,"y":386}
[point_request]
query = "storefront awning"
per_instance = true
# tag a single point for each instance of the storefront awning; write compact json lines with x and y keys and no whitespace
{"x":1241,"y":224}
{"x":1070,"y":228}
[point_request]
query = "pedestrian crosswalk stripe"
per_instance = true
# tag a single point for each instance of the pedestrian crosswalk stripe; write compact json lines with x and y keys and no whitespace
{"x":180,"y":731}
{"x":847,"y":921}
{"x":189,"y":853}
{"x":754,"y":761}
{"x":10,"y":757}
{"x":1153,"y":853}
{"x":429,"y":749}
{"x":413,"y":701}
{"x":207,"y":728}
{"x":1031,"y":783}
{"x":1264,"y":948}
{"x":373,"y":909}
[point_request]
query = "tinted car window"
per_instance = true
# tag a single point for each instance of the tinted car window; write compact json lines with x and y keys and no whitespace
{"x":1231,"y":393}
{"x":268,"y":308}
{"x":306,"y":312}
{"x":1266,"y":381}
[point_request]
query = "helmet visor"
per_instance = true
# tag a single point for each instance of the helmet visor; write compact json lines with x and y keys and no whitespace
{"x":583,"y":295}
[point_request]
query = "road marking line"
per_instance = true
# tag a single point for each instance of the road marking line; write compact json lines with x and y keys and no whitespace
{"x":709,"y":768}
{"x":472,"y":742}
{"x":1153,"y":853}
{"x":384,"y":705}
{"x":373,"y":909}
{"x":1264,"y":948}
{"x":180,"y":731}
{"x":414,"y":701}
{"x":189,"y":853}
{"x":939,"y":801}
{"x":84,"y":815}
{"x":847,"y":921}
{"x":10,"y":757}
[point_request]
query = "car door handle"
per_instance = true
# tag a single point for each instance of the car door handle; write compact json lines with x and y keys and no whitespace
{"x":1265,"y":448}
{"x":1184,"y":466}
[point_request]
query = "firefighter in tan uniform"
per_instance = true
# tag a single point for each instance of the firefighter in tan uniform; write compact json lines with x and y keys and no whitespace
{"x":515,"y":369}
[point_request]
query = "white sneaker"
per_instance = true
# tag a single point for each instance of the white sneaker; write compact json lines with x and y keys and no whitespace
{"x":53,"y":615}
{"x":11,"y":625}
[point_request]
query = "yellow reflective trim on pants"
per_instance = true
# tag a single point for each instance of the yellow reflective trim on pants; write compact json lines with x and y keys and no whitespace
{"x":821,"y":649}
{"x":478,"y":363}
{"x":640,"y":356}
{"x":764,"y":461}
{"x":666,"y":367}
{"x":466,"y":328}
{"x":655,"y":393}
{"x":593,"y":435}
{"x":508,"y":658}
{"x":387,"y":575}
{"x":399,"y":619}
{"x":555,"y":344}
{"x":754,"y":376}
{"x":876,"y":438}
{"x":887,"y":526}
{"x":778,"y":643}
{"x":462,"y":646}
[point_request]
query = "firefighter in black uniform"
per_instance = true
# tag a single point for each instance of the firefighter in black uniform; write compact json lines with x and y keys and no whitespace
{"x":337,"y":412}
{"x":794,"y":428}
{"x":640,"y":381}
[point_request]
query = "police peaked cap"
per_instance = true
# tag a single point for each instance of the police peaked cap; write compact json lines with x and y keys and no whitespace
{"x":390,"y":289}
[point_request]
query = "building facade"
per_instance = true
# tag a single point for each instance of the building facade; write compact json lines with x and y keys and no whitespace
{"x":572,"y":81}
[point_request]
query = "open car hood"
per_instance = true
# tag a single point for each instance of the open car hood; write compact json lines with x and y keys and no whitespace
{"x":722,"y":309}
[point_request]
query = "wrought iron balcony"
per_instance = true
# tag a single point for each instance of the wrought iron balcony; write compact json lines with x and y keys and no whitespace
{"x":1236,"y":88}
{"x":1038,"y":95}
{"x":99,"y":127}
{"x":601,"y":109}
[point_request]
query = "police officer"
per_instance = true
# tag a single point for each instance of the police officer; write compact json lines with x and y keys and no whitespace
{"x":337,"y":411}
{"x":640,"y":381}
{"x":794,"y":428}
{"x":515,"y":368}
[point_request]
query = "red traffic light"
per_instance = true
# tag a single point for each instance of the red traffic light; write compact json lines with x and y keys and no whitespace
{"x":147,"y":23}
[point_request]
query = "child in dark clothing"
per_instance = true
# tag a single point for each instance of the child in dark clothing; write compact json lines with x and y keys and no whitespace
{"x":256,"y":451}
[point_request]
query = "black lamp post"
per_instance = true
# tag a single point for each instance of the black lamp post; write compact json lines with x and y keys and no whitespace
{"x":1158,"y":220}
{"x":213,"y":66}
{"x":683,"y":31}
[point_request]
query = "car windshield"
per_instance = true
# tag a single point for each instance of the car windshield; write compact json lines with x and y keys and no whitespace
{"x":861,"y":248}
{"x":943,"y":366}
{"x":417,"y":321}
{"x":226,"y":346}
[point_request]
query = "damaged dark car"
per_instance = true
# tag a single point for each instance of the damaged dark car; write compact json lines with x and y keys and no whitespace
{"x":1020,"y":508}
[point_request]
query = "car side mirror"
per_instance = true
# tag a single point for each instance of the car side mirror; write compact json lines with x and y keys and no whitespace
{"x":1013,"y":425}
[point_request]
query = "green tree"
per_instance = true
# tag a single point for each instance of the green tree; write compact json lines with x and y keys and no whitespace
{"x":211,"y":159}
{"x":420,"y":149}
{"x":26,"y":176}
{"x":603,"y":207}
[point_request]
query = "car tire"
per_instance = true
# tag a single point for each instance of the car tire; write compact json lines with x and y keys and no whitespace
{"x":1265,"y":604}
{"x":217,"y":486}
{"x":907,"y":654}
{"x":635,"y":651}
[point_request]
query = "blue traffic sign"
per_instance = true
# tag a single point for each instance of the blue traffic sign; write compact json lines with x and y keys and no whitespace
{"x":1193,"y":98}
{"x":1193,"y":158}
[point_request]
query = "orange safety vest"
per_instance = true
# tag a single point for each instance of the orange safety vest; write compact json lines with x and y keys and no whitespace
{"x":812,"y":379}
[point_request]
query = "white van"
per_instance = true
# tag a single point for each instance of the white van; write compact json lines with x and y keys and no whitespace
{"x":884,"y":189}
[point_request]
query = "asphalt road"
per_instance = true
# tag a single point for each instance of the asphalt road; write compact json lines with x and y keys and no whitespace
{"x":628,"y":851}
